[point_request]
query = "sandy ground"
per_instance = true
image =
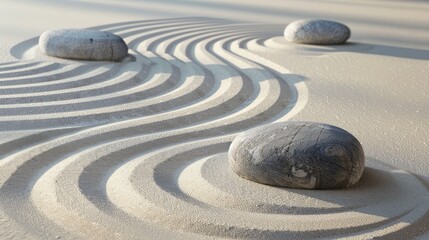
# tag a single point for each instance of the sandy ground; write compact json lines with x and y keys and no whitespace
{"x":137,"y":149}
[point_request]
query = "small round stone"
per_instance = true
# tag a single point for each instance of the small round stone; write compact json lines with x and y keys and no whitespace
{"x":319,"y":32}
{"x":83,"y":45}
{"x":302,"y":155}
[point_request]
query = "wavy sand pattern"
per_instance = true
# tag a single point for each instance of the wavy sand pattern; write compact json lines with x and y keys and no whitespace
{"x":138,"y":148}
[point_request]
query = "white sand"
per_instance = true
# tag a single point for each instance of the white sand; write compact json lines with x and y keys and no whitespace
{"x":137,"y":150}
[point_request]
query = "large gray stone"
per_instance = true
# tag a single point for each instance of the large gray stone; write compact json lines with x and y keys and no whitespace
{"x":298,"y":155}
{"x":83,"y":45}
{"x":320,"y":32}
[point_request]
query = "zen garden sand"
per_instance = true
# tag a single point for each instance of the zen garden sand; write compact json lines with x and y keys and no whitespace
{"x":117,"y":120}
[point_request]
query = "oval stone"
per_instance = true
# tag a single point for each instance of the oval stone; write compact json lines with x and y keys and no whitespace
{"x":321,"y":32}
{"x":83,"y":45}
{"x":302,"y":155}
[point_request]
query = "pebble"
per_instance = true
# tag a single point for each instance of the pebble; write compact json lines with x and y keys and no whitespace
{"x":82,"y":44}
{"x":319,"y":32}
{"x":302,"y":155}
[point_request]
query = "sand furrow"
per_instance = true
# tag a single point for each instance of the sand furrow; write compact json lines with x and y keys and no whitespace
{"x":16,"y":65}
{"x":58,"y":76}
{"x":98,"y":77}
{"x":39,"y":68}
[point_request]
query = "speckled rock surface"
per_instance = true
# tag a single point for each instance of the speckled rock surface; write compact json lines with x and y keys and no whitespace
{"x":320,"y":32}
{"x":83,"y":45}
{"x":298,"y":155}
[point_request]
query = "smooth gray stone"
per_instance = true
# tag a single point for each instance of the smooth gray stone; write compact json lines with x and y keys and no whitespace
{"x":298,"y":155}
{"x":83,"y":45}
{"x":321,"y":32}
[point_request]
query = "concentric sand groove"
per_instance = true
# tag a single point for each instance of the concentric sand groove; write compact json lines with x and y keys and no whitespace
{"x":137,"y":148}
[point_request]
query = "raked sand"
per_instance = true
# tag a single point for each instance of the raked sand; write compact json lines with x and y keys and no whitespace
{"x":137,"y":149}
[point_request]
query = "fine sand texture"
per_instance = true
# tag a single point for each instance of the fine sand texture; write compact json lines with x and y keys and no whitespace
{"x":137,"y":149}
